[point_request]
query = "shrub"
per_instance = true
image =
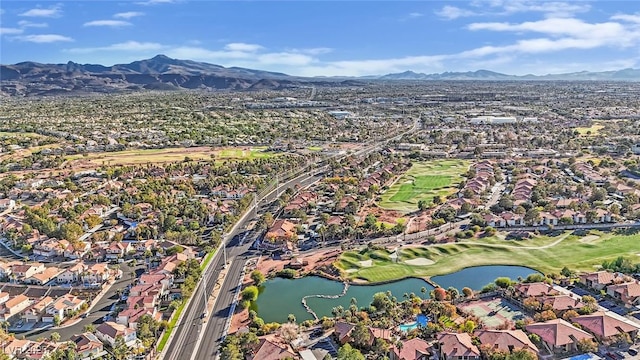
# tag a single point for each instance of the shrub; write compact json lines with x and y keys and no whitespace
{"x":250,"y":293}
{"x":287,"y":273}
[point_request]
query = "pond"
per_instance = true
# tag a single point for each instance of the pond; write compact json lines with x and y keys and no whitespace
{"x":479,"y":276}
{"x":281,"y":297}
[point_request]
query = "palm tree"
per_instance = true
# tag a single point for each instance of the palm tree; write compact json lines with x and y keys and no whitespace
{"x":120,"y":349}
{"x":55,"y":337}
{"x":90,"y":328}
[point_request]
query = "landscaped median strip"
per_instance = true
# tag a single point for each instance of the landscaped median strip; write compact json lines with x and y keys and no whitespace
{"x":180,"y":308}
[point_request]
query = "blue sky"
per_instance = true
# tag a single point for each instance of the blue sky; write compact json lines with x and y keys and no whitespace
{"x":312,"y":38}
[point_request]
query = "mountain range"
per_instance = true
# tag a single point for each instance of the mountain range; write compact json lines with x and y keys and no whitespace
{"x":164,"y":73}
{"x":617,"y":75}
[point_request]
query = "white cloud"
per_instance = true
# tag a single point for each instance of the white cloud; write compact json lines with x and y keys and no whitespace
{"x":202,"y":54}
{"x":550,"y":8}
{"x":155,"y":2}
{"x":40,"y":12}
{"x":128,"y":14}
{"x":28,"y":24}
{"x":10,"y":31}
{"x":243,"y":47}
{"x":509,"y":7}
{"x":110,"y":23}
{"x":635,"y":18}
{"x":597,"y":34}
{"x":284,"y":58}
{"x":312,"y":51}
{"x":415,"y":15}
{"x":44,"y":38}
{"x":452,"y":12}
{"x":125,"y":46}
{"x":378,"y":66}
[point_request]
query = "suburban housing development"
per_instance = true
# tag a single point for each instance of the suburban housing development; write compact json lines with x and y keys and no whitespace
{"x":358,"y":219}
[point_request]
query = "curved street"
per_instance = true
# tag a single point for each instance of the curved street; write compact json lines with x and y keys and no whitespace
{"x":96,"y":313}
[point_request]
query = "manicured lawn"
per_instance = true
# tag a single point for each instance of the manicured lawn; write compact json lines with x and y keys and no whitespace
{"x":244,"y":154}
{"x":172,"y":324}
{"x":424,"y":181}
{"x":570,"y":252}
{"x":589,"y":131}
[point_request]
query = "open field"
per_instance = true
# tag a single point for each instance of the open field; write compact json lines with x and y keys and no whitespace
{"x":545,"y":254}
{"x":423,"y":181}
{"x":6,"y":134}
{"x":132,"y":157}
{"x":589,"y":131}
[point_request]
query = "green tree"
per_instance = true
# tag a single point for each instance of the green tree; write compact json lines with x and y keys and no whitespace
{"x":587,"y":345}
{"x":346,"y":352}
{"x":258,"y":277}
{"x":250,"y":293}
{"x":90,"y":328}
{"x":55,"y":336}
{"x":120,"y":349}
{"x":361,"y":336}
{"x":503,"y":282}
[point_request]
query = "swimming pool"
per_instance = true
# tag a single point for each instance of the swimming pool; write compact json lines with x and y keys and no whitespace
{"x":421,"y":321}
{"x":587,"y":356}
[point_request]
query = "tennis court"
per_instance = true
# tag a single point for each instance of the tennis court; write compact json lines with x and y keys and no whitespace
{"x":493,"y":312}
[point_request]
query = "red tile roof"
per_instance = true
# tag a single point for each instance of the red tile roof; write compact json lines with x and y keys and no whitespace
{"x":504,"y":339}
{"x":412,"y":349}
{"x":454,"y":344}
{"x":268,"y":350}
{"x":558,"y":332}
{"x":603,"y":325}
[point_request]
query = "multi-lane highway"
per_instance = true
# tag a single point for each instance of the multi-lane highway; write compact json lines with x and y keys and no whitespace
{"x":189,"y":328}
{"x":185,"y":345}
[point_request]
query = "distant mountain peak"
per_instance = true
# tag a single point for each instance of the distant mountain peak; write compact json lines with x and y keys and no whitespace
{"x":161,"y":57}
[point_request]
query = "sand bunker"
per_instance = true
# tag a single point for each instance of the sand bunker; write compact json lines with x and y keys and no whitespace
{"x":366,"y":263}
{"x":589,"y":238}
{"x":419,"y":262}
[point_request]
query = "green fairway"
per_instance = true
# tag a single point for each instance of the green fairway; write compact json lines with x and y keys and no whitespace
{"x":244,"y":154}
{"x":589,"y":131}
{"x":424,"y":181}
{"x":548,"y":255}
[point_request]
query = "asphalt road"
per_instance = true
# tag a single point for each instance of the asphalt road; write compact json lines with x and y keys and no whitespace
{"x":182,"y":346}
{"x":96,"y":313}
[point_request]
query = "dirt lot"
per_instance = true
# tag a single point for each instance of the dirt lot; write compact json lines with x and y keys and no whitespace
{"x":390,"y":217}
{"x":418,"y":223}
